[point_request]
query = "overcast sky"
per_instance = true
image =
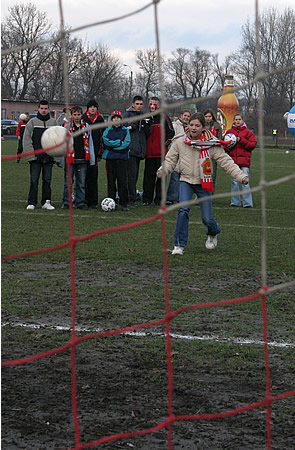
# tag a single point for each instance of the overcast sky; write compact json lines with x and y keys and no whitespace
{"x":212,"y":25}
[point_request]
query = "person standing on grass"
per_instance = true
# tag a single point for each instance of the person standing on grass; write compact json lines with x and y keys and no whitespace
{"x":241,"y":154}
{"x":116,"y":143}
{"x":42,"y":162}
{"x":139,"y":132}
{"x":81,"y":154}
{"x":24,"y":118}
{"x":154,"y":154}
{"x":194,"y":152}
{"x":92,"y":116}
{"x":215,"y":128}
{"x":179,"y":126}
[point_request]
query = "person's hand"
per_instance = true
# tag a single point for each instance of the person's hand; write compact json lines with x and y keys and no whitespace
{"x":245,"y":180}
{"x":159,"y":173}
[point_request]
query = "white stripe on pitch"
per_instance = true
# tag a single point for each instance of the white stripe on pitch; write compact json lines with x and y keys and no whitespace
{"x":222,"y":340}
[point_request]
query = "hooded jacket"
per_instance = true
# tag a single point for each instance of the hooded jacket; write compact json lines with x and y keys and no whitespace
{"x":139,"y":132}
{"x":242,"y":151}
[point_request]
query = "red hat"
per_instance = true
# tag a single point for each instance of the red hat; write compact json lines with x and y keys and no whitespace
{"x":117,"y":113}
{"x":65,"y":108}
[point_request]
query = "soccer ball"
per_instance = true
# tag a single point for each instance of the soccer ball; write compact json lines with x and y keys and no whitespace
{"x":55,"y":136}
{"x":22,"y":116}
{"x":232,"y":139}
{"x":108,"y":204}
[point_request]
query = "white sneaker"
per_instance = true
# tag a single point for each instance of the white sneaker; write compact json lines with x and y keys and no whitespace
{"x":31,"y":207}
{"x":47,"y":205}
{"x":211,"y":242}
{"x":177,"y":250}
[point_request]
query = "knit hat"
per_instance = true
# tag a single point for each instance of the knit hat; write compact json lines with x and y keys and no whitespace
{"x":65,"y":108}
{"x":92,"y":103}
{"x":117,"y":113}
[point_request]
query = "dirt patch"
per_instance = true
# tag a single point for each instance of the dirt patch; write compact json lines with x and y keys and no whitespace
{"x":122,"y":381}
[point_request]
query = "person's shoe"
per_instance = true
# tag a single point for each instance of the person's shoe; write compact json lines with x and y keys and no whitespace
{"x":47,"y":205}
{"x":177,"y":250}
{"x":132,"y":205}
{"x":146,"y":204}
{"x":18,"y":160}
{"x":65,"y":207}
{"x":82,"y":207}
{"x":124,"y":208}
{"x":31,"y":207}
{"x":169,"y":202}
{"x":211,"y":242}
{"x":92,"y":206}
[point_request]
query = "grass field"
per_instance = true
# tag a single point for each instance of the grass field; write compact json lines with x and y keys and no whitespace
{"x":122,"y":380}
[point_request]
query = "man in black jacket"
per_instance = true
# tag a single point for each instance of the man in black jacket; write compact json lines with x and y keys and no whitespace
{"x":139,"y":132}
{"x":92,"y":116}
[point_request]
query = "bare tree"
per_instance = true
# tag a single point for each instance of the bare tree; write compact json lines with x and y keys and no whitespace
{"x":191,"y":72}
{"x":148,"y":81}
{"x":50,"y":82}
{"x":98,"y":75}
{"x":25,"y":25}
{"x":277,"y":42}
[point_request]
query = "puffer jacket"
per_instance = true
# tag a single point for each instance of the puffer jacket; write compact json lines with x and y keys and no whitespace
{"x":32,"y":137}
{"x":139,"y":132}
{"x":189,"y":163}
{"x":242,"y":151}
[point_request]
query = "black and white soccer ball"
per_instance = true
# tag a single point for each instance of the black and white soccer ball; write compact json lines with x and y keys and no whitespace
{"x":231,"y":139}
{"x":108,"y":204}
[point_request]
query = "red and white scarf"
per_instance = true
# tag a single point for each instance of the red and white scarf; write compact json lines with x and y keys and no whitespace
{"x":92,"y":119}
{"x":85,"y":140}
{"x":206,"y":141}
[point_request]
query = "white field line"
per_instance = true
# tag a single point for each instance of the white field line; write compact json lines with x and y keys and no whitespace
{"x":124,"y":219}
{"x":222,"y":340}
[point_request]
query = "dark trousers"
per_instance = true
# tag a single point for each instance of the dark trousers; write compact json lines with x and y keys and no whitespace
{"x":133,"y":170}
{"x":117,"y":171}
{"x":35,"y":172}
{"x":150,"y":181}
{"x":92,"y":186}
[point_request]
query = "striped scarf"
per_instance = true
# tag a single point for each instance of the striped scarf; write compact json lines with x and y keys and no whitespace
{"x":85,"y":140}
{"x":206,"y":141}
{"x":92,"y":119}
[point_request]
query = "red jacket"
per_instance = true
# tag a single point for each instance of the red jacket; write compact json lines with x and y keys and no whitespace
{"x":153,"y":143}
{"x":242,"y":151}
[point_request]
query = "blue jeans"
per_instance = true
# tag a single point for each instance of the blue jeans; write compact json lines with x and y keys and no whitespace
{"x":247,"y":196}
{"x":35,"y":171}
{"x":78,"y":171}
{"x":173,"y":187}
{"x":186,"y":192}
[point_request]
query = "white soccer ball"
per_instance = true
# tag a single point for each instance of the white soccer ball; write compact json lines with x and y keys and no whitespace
{"x":232,"y":139}
{"x":22,"y":116}
{"x":54,"y":136}
{"x":108,"y":204}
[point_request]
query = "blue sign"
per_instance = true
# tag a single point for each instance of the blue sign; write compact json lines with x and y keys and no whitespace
{"x":291,"y":120}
